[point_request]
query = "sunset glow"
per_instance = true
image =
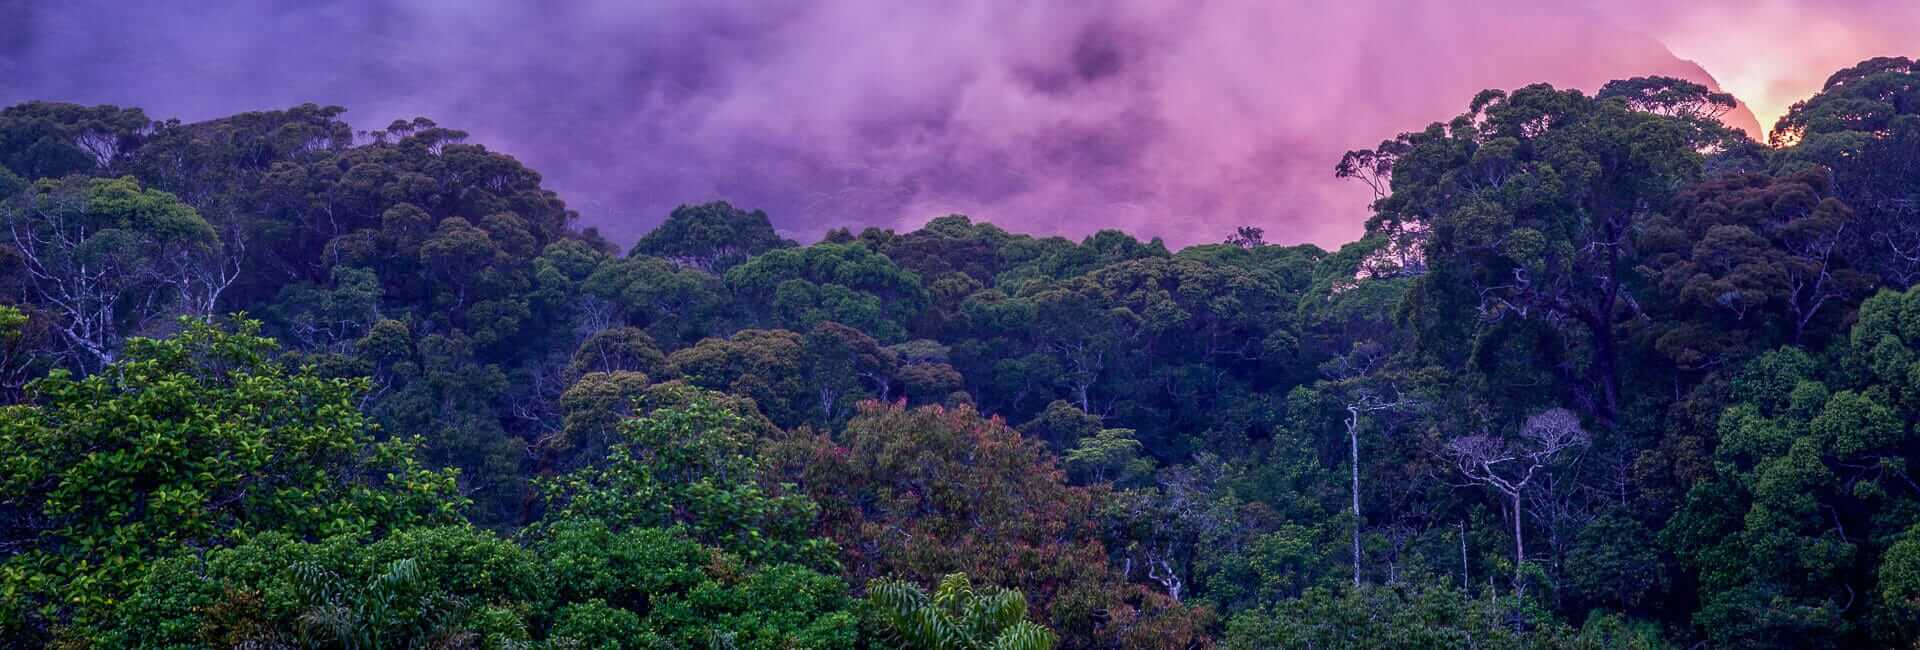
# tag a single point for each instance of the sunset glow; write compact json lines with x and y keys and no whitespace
{"x":1167,"y":118}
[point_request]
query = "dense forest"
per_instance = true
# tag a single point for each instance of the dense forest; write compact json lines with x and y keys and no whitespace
{"x":1602,"y":372}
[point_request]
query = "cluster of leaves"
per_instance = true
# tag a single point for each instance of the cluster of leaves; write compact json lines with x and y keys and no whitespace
{"x":954,"y":617}
{"x":198,"y":493}
{"x":186,"y":443}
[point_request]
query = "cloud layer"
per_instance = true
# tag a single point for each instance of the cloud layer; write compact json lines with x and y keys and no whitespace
{"x":1167,"y":118}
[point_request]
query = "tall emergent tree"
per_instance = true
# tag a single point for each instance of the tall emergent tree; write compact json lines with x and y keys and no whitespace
{"x":1525,"y":207}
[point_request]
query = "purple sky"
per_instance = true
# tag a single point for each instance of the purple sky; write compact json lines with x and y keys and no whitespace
{"x":1176,"y":118}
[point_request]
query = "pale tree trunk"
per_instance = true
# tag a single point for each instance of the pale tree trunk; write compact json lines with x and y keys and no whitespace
{"x":1353,"y":447}
{"x":1519,"y":546}
{"x":1464,"y":578}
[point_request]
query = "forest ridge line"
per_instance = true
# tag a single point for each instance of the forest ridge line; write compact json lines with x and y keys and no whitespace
{"x":1602,"y":372}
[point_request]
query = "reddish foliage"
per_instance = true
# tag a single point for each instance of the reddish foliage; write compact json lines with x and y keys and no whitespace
{"x":920,"y":493}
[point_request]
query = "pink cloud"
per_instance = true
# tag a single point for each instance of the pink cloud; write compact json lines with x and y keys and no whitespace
{"x":1165,"y":118}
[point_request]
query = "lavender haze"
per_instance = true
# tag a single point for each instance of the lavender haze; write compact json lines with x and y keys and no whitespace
{"x":1165,"y":118}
